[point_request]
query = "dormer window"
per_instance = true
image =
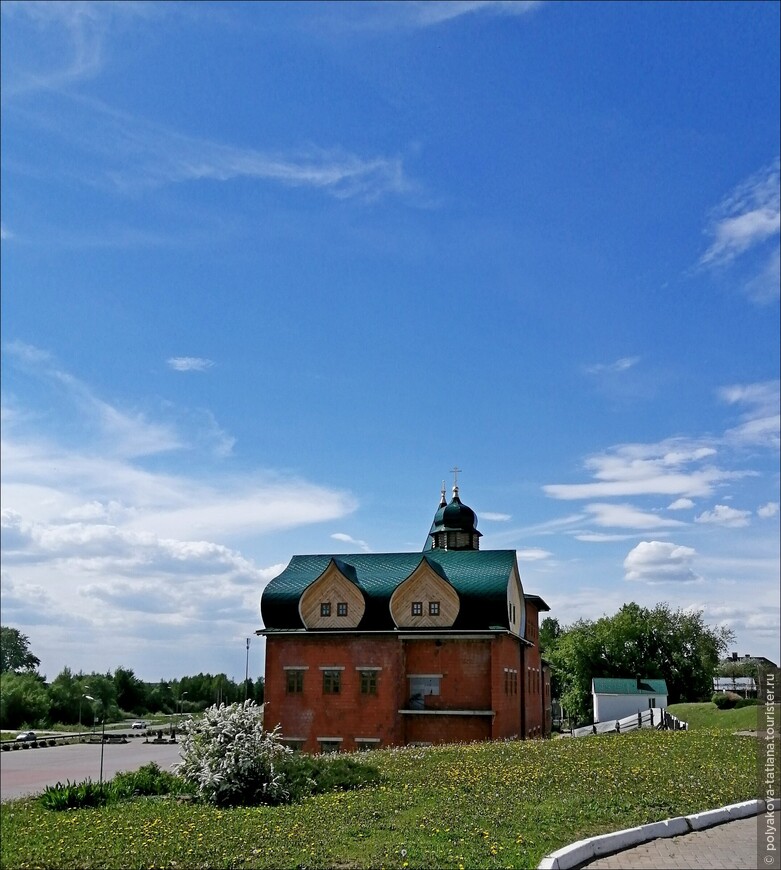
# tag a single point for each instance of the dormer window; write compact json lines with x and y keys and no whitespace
{"x":417,"y":608}
{"x":325,"y":608}
{"x":341,"y":608}
{"x":433,"y":608}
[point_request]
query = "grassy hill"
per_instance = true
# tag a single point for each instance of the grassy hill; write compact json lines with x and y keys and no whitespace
{"x":708,"y":715}
{"x":476,"y":805}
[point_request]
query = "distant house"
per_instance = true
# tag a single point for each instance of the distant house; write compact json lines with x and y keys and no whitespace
{"x":745,"y":686}
{"x":616,"y":697}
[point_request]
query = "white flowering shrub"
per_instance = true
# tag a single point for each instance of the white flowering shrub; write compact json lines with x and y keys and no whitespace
{"x":230,"y":759}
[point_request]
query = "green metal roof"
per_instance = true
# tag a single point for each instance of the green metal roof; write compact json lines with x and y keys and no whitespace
{"x":479,"y":577}
{"x":628,"y":686}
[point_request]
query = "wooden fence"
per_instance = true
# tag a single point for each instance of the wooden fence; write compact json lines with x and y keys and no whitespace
{"x":656,"y":718}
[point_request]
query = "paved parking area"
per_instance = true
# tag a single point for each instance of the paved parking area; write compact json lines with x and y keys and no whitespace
{"x":29,"y":771}
{"x":731,"y":846}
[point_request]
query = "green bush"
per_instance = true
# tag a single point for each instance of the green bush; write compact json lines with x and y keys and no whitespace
{"x":724,"y":701}
{"x":75,"y":796}
{"x":746,"y":702}
{"x":148,"y":780}
{"x":304,"y":775}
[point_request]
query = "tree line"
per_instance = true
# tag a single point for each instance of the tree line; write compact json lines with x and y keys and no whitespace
{"x":26,"y":698}
{"x":636,"y":642}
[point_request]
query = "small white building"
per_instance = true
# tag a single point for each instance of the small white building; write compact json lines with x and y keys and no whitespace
{"x":616,"y":697}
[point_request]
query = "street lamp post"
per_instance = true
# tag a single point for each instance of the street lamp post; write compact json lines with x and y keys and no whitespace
{"x":102,"y":731}
{"x":81,"y":699}
{"x":246,"y":675}
{"x":102,"y":741}
{"x":90,"y":698}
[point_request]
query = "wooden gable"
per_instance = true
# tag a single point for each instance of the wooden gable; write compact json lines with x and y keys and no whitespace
{"x":516,"y":605}
{"x":332,"y":601}
{"x":424,"y":600}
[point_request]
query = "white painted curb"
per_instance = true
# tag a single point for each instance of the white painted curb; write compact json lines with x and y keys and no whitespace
{"x":586,"y":850}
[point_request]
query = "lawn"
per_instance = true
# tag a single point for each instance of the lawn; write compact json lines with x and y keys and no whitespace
{"x":708,"y":715}
{"x":476,"y":805}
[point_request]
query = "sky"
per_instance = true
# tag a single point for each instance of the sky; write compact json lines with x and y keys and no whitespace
{"x":271,"y":270}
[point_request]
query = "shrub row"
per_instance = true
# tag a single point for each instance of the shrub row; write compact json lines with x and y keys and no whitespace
{"x":147,"y":780}
{"x":729,"y":701}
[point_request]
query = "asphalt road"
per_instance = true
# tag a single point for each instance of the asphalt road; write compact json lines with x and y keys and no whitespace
{"x":29,"y":771}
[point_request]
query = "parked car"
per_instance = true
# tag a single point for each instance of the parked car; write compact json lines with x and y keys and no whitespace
{"x":140,"y":725}
{"x":26,"y":735}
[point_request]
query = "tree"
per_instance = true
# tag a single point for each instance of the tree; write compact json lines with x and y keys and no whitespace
{"x":550,"y":632}
{"x":674,"y":645}
{"x":15,"y":652}
{"x":23,"y":700}
{"x":131,"y":692}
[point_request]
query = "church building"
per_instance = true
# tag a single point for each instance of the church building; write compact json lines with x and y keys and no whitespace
{"x":391,"y":649}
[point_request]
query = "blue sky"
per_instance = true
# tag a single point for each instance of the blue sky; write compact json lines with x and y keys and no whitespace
{"x":270,"y":271}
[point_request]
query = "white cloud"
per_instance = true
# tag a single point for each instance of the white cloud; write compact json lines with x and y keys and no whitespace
{"x":648,"y":469}
{"x":426,"y":13}
{"x":189,"y":363}
{"x":600,"y":537}
{"x":130,"y":155}
{"x":722,"y":515}
{"x":493,"y":517}
{"x":94,"y":544}
{"x":765,"y":287}
{"x":761,"y":421}
{"x":532,"y":554}
{"x":5,"y":233}
{"x":746,"y":218}
{"x":620,"y":365}
{"x":626,"y":516}
{"x":67,"y":41}
{"x":347,"y":539}
{"x":768,"y":510}
{"x":660,"y":562}
{"x":680,"y":504}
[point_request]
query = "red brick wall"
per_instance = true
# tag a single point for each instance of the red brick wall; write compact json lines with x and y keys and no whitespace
{"x":533,"y":677}
{"x":464,"y":665}
{"x":447,"y":729}
{"x":507,"y":704}
{"x":473,"y":678}
{"x":349,"y":714}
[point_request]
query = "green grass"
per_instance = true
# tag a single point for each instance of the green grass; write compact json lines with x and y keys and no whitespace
{"x":477,"y":805}
{"x":708,"y":715}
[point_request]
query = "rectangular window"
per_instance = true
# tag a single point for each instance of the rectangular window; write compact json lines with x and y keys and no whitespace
{"x":421,"y":686}
{"x":294,"y":743}
{"x":325,"y":608}
{"x":364,"y":743}
{"x":341,"y":608}
{"x":417,"y":608}
{"x":330,"y":745}
{"x":510,"y":681}
{"x":295,"y":681}
{"x":332,"y":682}
{"x":433,"y":608}
{"x":368,"y":682}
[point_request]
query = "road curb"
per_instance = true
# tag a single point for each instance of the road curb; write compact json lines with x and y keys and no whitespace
{"x":595,"y":847}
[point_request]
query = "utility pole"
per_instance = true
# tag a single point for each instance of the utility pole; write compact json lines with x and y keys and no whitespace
{"x":246,"y":675}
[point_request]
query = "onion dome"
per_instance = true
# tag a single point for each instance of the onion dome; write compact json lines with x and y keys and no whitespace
{"x":454,"y":526}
